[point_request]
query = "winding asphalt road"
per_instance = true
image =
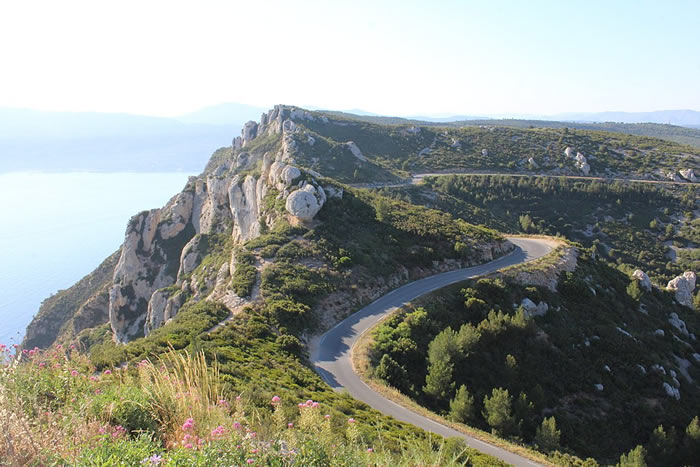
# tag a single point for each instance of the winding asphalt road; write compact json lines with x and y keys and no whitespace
{"x":330,"y":352}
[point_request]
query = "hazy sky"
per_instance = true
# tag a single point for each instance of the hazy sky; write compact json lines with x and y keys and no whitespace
{"x":392,"y":57}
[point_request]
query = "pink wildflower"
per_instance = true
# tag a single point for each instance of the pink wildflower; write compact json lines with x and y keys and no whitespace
{"x":188,"y":446}
{"x":370,"y":450}
{"x":254,"y":451}
{"x":42,"y":365}
{"x":327,"y":416}
{"x":290,"y":425}
{"x":189,"y":423}
{"x":315,"y":404}
{"x":236,"y":425}
{"x":351,"y":420}
{"x":102,"y":430}
{"x":309,"y":403}
{"x":223,"y":403}
{"x":108,"y":372}
{"x":275,"y":399}
{"x":59,"y":347}
{"x":250,"y":461}
{"x":74,"y":373}
{"x":72,"y":346}
{"x":238,"y":398}
{"x":94,"y":378}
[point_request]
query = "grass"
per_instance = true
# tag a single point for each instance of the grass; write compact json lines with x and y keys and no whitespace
{"x":58,"y":410}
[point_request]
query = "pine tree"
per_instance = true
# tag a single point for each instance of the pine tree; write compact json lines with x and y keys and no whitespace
{"x":462,"y":406}
{"x":498,"y":412}
{"x":548,"y":436}
{"x":635,"y":458}
{"x":438,"y":382}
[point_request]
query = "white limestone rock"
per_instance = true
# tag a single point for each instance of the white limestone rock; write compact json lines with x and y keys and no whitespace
{"x":532,"y":163}
{"x":689,"y":175}
{"x":599,"y":387}
{"x":355,"y":150}
{"x":671,"y":391}
{"x":683,"y":287}
{"x":643,"y":279}
{"x":305,"y":203}
{"x":678,"y":323}
{"x":333,"y":192}
{"x":659,"y":332}
{"x":162,"y":307}
{"x":582,"y":163}
{"x":249,"y":132}
{"x":484,"y":152}
{"x":568,"y":152}
{"x":310,"y":140}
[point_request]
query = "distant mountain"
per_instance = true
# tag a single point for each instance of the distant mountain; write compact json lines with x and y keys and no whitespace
{"x":89,"y":141}
{"x":229,"y":113}
{"x":670,"y":117}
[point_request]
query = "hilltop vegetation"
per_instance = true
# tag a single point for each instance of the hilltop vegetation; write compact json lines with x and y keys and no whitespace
{"x":423,"y":148}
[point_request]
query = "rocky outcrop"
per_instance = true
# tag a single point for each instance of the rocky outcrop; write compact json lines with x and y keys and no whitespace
{"x":683,"y":287}
{"x":531,"y":161}
{"x":546,"y":275}
{"x":306,"y":202}
{"x":355,"y":151}
{"x":689,"y":175}
{"x":163,"y":247}
{"x":532,"y":309}
{"x":568,"y":152}
{"x":675,"y":321}
{"x":643,"y":279}
{"x":582,"y":163}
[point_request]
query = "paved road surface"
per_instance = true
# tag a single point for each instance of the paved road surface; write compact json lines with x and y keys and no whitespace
{"x":330,"y":353}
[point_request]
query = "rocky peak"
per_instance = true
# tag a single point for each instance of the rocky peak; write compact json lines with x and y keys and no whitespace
{"x":163,"y":247}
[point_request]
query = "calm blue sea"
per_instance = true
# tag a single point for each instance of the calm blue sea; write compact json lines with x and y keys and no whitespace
{"x":57,"y":227}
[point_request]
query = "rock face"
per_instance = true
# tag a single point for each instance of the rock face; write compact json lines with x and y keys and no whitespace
{"x":683,"y":287}
{"x":643,"y":279}
{"x":164,"y":246}
{"x":688,"y":174}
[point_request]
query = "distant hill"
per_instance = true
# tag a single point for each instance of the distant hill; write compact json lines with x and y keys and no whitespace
{"x":676,"y":134}
{"x":671,"y":117}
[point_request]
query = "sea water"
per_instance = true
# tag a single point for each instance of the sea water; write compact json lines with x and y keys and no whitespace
{"x":57,"y":227}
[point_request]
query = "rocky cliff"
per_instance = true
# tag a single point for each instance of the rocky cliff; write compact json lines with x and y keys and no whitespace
{"x":237,"y":194}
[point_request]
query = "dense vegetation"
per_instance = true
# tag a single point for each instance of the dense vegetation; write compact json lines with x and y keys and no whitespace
{"x":176,"y":410}
{"x":472,"y":353}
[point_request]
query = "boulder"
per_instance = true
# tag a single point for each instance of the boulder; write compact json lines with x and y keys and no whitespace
{"x":582,"y":163}
{"x":688,"y":174}
{"x":484,"y":152}
{"x":532,"y":162}
{"x":678,"y":323}
{"x":671,"y":391}
{"x":683,"y":287}
{"x":355,"y":150}
{"x":303,"y":203}
{"x":643,"y":279}
{"x":568,"y":152}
